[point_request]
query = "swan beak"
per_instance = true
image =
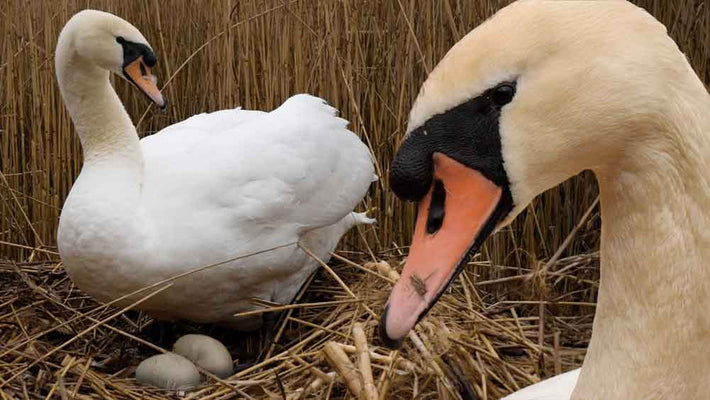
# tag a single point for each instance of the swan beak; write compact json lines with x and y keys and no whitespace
{"x":453,"y":219}
{"x":140,"y":75}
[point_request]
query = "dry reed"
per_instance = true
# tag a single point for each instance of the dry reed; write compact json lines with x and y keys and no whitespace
{"x":522,"y":311}
{"x":367,"y":58}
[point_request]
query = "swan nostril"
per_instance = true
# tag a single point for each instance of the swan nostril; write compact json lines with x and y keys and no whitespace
{"x":436,"y":208}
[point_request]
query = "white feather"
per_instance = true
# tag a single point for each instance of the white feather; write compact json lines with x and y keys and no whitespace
{"x":559,"y":387}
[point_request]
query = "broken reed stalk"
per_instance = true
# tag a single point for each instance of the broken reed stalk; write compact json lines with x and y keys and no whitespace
{"x":384,"y":269}
{"x":363,"y":356}
{"x":340,"y":362}
{"x":399,"y":362}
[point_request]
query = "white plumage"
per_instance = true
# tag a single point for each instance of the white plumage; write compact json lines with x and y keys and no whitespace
{"x":203,"y":191}
{"x":559,"y":387}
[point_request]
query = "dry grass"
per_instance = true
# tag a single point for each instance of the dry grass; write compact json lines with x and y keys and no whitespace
{"x":517,"y":316}
{"x":57,"y":341}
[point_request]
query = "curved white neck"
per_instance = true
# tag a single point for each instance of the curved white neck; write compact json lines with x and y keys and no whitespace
{"x":107,"y":192}
{"x":104,"y":128}
{"x":651,"y":328}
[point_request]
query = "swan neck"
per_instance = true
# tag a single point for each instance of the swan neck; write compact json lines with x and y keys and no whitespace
{"x":102,"y":123}
{"x":655,"y":267}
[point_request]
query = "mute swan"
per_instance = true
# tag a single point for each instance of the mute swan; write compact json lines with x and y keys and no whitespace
{"x":540,"y":92}
{"x":202,"y":191}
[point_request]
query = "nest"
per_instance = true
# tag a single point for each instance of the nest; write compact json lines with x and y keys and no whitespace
{"x":481,"y":341}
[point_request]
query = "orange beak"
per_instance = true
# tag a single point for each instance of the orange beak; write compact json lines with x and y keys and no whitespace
{"x":453,"y":219}
{"x":140,"y":75}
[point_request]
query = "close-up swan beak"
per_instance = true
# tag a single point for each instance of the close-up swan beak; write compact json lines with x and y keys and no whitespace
{"x":138,"y":73}
{"x":453,"y":219}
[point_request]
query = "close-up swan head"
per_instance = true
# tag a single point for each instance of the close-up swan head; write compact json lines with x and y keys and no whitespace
{"x":94,"y":38}
{"x":538,"y":93}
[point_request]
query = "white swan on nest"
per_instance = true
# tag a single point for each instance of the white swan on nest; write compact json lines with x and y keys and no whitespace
{"x":211,"y":188}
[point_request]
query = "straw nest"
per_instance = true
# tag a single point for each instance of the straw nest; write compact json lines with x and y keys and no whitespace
{"x":58,"y":342}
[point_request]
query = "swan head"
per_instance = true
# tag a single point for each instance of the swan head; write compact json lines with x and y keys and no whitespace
{"x":533,"y":96}
{"x":110,"y":43}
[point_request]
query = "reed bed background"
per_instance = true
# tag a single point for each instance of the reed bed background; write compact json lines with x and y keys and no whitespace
{"x":367,"y":58}
{"x":523,"y":309}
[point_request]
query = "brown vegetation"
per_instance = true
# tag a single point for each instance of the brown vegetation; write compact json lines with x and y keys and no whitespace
{"x":522,"y":311}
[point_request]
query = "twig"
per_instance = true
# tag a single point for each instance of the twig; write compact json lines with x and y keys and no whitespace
{"x":363,"y":355}
{"x":337,"y":358}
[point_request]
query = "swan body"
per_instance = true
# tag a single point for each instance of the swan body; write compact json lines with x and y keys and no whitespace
{"x":533,"y":96}
{"x":559,"y":387}
{"x":212,"y":188}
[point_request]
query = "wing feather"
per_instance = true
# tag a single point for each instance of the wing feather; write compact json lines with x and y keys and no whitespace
{"x":298,"y":165}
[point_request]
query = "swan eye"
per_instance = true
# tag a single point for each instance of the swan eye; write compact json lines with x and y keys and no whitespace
{"x":503,"y":94}
{"x":120,"y":40}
